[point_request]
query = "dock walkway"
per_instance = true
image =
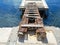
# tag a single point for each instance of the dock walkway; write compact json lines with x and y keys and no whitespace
{"x":51,"y":33}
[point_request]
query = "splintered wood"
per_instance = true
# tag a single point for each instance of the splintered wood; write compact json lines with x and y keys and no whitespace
{"x":32,"y":21}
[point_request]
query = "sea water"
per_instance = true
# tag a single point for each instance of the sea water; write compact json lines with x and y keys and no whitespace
{"x":10,"y":13}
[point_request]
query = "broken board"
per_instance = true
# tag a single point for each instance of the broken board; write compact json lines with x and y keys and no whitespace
{"x":31,"y":39}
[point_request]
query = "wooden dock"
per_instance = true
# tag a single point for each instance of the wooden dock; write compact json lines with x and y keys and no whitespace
{"x":31,"y":28}
{"x":31,"y":22}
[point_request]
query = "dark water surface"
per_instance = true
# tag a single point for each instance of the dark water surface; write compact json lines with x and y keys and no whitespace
{"x":10,"y":14}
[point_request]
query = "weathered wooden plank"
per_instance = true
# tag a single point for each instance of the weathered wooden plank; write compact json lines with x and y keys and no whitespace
{"x":32,"y":17}
{"x":31,"y":25}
